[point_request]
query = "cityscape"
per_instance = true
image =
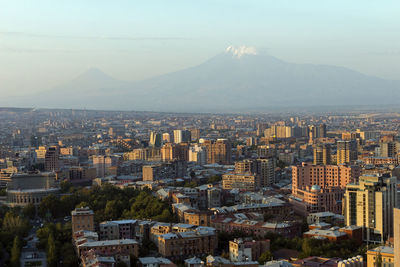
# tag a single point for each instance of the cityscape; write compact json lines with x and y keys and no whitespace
{"x":199,"y":133}
{"x":120,"y":188}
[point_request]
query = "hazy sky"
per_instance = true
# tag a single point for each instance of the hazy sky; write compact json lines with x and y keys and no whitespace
{"x":44,"y":43}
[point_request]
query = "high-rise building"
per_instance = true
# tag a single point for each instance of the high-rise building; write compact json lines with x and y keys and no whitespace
{"x":319,"y":188}
{"x":195,"y":133}
{"x":389,"y":149}
{"x":198,"y":154}
{"x":168,"y":152}
{"x":166,"y":138}
{"x":245,"y":166}
{"x":155,"y":139}
{"x":323,"y":175}
{"x":171,"y":151}
{"x":321,"y":131}
{"x":101,"y":163}
{"x":51,"y":161}
{"x":261,"y":128}
{"x":279,"y":131}
{"x":219,"y":151}
{"x":369,"y":204}
{"x":322,"y":154}
{"x":40,"y":154}
{"x":182,"y":136}
{"x":265,"y":151}
{"x":315,"y":132}
{"x":264,"y":169}
{"x":346,"y":151}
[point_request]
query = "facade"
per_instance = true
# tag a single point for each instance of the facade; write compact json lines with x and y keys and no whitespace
{"x":346,"y":152}
{"x":164,"y":170}
{"x":230,"y":224}
{"x":198,"y":154}
{"x":241,"y":250}
{"x":336,"y":234}
{"x":322,"y":154}
{"x":195,"y":133}
{"x":316,"y":199}
{"x":246,"y":181}
{"x":51,"y":161}
{"x":166,"y":138}
{"x":389,"y":149}
{"x":101,"y":163}
{"x":187,"y":244}
{"x":369,"y":204}
{"x":82,"y":219}
{"x":396,"y":236}
{"x":383,"y":254}
{"x":171,"y":151}
{"x":27,"y":188}
{"x":320,"y":188}
{"x":263,"y":168}
{"x":218,"y":151}
{"x":182,"y":136}
{"x":155,"y":139}
{"x":111,"y":247}
{"x":324,"y":176}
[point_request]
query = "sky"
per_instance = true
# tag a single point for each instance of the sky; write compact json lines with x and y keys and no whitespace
{"x":44,"y":43}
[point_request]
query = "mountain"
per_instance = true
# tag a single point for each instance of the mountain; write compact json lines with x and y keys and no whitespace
{"x":239,"y":79}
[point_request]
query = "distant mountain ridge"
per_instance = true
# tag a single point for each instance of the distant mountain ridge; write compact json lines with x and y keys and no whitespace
{"x":239,"y":79}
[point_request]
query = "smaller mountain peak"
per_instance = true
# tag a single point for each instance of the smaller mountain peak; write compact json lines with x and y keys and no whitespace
{"x":238,"y":52}
{"x":94,"y":70}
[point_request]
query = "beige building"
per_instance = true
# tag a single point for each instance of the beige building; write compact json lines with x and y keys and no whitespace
{"x":396,"y":236}
{"x":219,"y":151}
{"x":244,"y":250}
{"x":369,"y":204}
{"x":322,"y":154}
{"x":346,"y":151}
{"x":246,"y":181}
{"x":263,"y":168}
{"x":383,"y":254}
{"x":40,"y":154}
{"x":82,"y":219}
{"x":187,"y":244}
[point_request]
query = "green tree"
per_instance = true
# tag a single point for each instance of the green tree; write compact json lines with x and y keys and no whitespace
{"x":15,"y":252}
{"x":378,"y":262}
{"x":51,"y":251}
{"x":266,"y":256}
{"x":214,"y":179}
{"x":121,"y":264}
{"x":65,"y":186}
{"x":50,"y":204}
{"x":29,"y":211}
{"x":69,"y":257}
{"x":15,"y":224}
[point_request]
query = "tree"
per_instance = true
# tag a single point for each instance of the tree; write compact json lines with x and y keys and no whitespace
{"x":214,"y":179}
{"x":68,"y":255}
{"x":29,"y":211}
{"x":15,"y":224}
{"x":50,"y":204}
{"x":266,"y":256}
{"x":15,"y":252}
{"x":378,"y":262}
{"x":121,"y":264}
{"x":51,"y":251}
{"x":65,"y":186}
